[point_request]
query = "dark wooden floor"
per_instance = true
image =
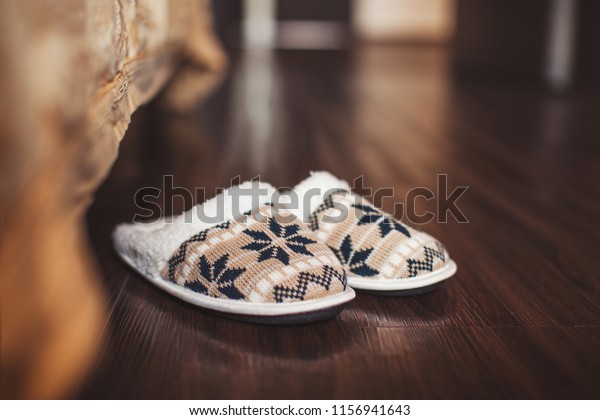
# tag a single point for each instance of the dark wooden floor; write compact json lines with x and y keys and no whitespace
{"x":521,"y":318}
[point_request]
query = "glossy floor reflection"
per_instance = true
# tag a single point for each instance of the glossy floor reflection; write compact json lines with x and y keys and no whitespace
{"x":521,"y":319}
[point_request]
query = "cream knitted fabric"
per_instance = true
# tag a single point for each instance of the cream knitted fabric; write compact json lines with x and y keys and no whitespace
{"x":258,"y":258}
{"x":369,"y":242}
{"x":250,"y":253}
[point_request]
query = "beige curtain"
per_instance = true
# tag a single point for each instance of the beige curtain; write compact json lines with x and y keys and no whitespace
{"x":71,"y":74}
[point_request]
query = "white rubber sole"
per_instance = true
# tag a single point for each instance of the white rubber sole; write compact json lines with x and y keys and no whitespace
{"x":240,"y":309}
{"x":419,"y":282}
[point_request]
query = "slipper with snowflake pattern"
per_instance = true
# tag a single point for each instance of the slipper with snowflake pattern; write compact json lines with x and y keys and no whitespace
{"x":380,"y":254}
{"x":236,"y":256}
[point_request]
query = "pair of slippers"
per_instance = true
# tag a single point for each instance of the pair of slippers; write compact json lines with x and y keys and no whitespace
{"x":245,"y":258}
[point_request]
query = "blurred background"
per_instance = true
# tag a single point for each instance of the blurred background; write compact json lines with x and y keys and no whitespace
{"x":329,"y":70}
{"x":550,"y":43}
{"x":324,"y":70}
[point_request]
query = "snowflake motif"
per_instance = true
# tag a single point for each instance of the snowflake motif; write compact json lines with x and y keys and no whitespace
{"x":386,"y":223}
{"x":367,"y":214}
{"x":355,"y":261}
{"x":285,"y":236}
{"x":218,"y":274}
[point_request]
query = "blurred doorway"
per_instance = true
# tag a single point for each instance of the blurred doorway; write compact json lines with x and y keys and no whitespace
{"x":333,"y":24}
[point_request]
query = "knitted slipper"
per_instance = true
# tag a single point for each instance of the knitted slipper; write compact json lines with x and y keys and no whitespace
{"x":380,"y":254}
{"x":253,"y":264}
